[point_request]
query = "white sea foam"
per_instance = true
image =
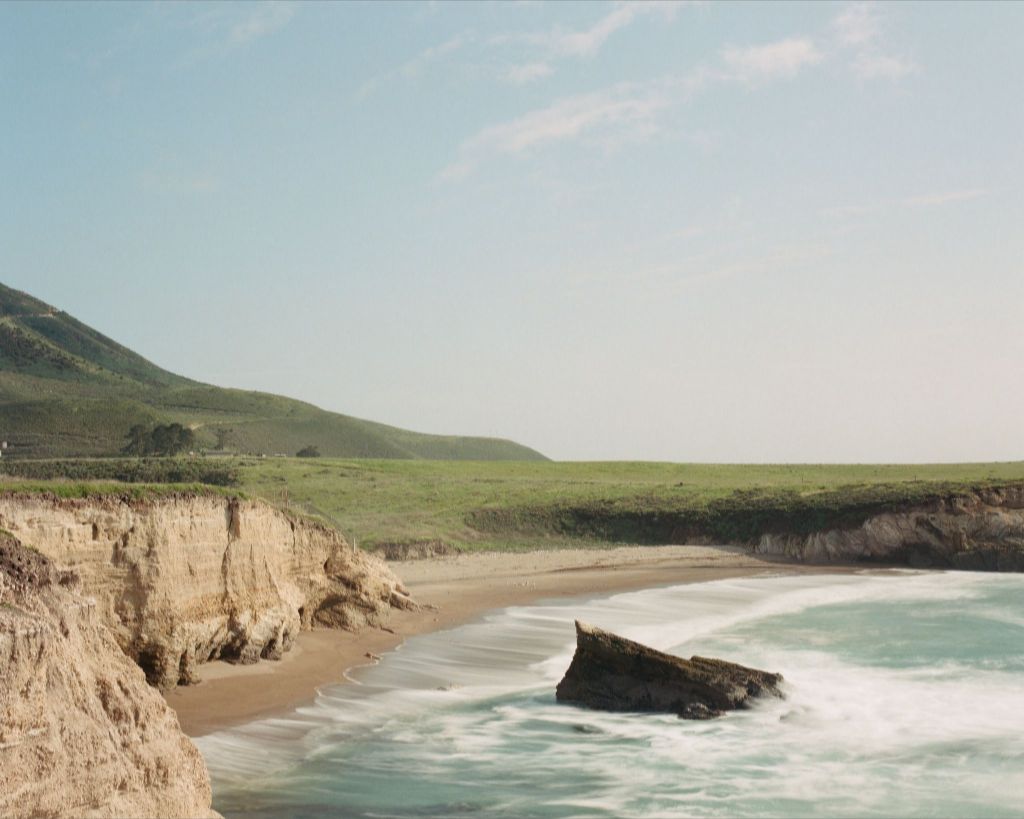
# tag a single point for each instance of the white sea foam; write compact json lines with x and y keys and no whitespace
{"x":465,"y":721}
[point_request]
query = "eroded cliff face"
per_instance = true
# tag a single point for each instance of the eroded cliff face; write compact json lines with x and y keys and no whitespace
{"x":981,"y":531}
{"x":81,"y":733}
{"x":184,"y":579}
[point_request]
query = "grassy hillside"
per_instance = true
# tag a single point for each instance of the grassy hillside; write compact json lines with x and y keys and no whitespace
{"x":529,"y":505}
{"x":68,"y":390}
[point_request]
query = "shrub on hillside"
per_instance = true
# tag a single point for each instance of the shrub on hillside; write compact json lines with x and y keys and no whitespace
{"x":164,"y":439}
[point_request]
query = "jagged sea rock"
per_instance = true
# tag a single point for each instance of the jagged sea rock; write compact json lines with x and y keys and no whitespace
{"x":185,"y":578}
{"x":81,"y":733}
{"x":611,"y":673}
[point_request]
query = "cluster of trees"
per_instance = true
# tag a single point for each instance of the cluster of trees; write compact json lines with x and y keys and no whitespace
{"x":164,"y":439}
{"x":308,"y":452}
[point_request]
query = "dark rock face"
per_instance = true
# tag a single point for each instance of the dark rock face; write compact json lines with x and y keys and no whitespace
{"x":611,"y":673}
{"x":27,"y":568}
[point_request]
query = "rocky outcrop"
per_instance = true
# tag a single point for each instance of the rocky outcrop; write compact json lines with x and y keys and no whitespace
{"x":981,"y":531}
{"x":612,"y":673}
{"x":81,"y":733}
{"x":183,"y":579}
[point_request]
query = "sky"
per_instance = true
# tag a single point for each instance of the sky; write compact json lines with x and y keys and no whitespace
{"x":729,"y":232}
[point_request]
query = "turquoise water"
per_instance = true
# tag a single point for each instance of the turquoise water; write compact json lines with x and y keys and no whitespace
{"x":904,"y":698}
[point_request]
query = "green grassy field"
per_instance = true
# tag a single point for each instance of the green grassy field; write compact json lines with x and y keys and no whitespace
{"x":480,"y":505}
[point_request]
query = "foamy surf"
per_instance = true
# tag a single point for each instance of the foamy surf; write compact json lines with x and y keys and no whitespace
{"x":904,"y":698}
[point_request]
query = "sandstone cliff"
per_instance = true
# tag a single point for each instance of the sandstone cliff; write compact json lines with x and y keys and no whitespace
{"x":981,"y":531}
{"x":187,"y":578}
{"x":81,"y":733}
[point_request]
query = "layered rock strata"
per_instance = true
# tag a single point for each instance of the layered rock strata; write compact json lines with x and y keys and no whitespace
{"x":611,"y":673}
{"x":980,"y":531}
{"x":81,"y":733}
{"x":188,"y":578}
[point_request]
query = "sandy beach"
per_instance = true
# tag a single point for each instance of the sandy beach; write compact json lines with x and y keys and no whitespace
{"x":451,"y":590}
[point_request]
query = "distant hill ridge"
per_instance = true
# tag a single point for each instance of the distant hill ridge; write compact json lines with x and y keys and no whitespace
{"x":66,"y":389}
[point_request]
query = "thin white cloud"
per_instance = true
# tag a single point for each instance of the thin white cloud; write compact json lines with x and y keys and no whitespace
{"x":627,"y":112}
{"x":782,"y":59}
{"x":945,"y":197}
{"x":858,"y":24}
{"x":227,"y":28}
{"x":621,"y":111}
{"x":543,"y":48}
{"x":417,"y":65}
{"x":447,"y":47}
{"x":265,"y":19}
{"x":886,"y":207}
{"x":869,"y":66}
{"x":528,"y":72}
{"x":587,"y":42}
{"x":860,"y":27}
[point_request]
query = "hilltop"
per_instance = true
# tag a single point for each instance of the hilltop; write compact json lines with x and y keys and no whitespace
{"x":66,"y":389}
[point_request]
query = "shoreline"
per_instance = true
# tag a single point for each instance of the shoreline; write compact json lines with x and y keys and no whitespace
{"x":452,"y":590}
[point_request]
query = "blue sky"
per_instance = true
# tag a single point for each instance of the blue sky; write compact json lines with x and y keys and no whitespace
{"x":712,"y":232}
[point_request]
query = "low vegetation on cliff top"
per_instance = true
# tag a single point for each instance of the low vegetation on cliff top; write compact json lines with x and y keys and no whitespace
{"x":69,"y":490}
{"x":211,"y":471}
{"x":477,"y":505}
{"x":521,"y":505}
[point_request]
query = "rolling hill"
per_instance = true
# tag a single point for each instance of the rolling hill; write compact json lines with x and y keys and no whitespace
{"x":66,"y":389}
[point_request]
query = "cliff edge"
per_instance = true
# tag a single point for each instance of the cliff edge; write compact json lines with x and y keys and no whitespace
{"x":81,"y":733}
{"x":182,"y":579}
{"x":981,"y":531}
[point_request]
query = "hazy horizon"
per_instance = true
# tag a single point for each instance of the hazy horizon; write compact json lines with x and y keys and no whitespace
{"x":735,"y":233}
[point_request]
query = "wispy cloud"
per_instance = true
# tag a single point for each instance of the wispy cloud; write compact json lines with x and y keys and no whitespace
{"x":223,"y":29}
{"x":628,"y":112}
{"x":538,"y":52}
{"x":415,"y":67}
{"x":587,"y":42}
{"x":890,"y":206}
{"x":870,"y":66}
{"x":860,"y":27}
{"x":625,"y":109}
{"x":560,"y":43}
{"x":264,"y":19}
{"x":528,"y":72}
{"x":433,"y":52}
{"x":945,"y":197}
{"x":858,"y":24}
{"x":772,"y":61}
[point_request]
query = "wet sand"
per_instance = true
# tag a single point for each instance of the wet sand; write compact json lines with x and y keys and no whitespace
{"x":452,"y":590}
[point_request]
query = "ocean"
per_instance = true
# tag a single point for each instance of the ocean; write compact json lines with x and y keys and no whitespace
{"x":904,"y":697}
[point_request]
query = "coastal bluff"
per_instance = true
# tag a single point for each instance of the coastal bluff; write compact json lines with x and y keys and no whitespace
{"x":611,"y":673}
{"x":979,"y":531}
{"x":187,"y":577}
{"x":81,"y":733}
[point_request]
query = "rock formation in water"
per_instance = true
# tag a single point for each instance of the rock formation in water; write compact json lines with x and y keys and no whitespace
{"x":187,"y":578}
{"x":980,"y":531}
{"x":612,"y":673}
{"x":81,"y":733}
